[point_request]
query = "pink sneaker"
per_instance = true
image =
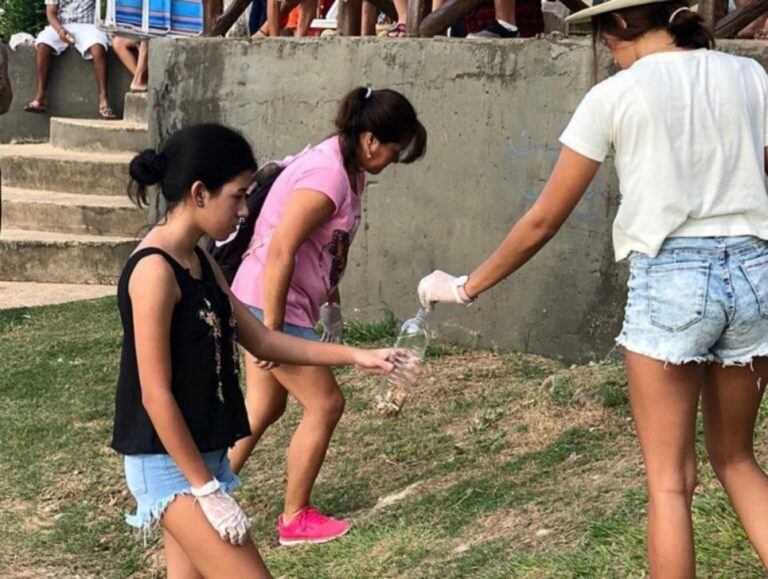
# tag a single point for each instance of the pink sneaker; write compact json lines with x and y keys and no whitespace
{"x":310,"y":526}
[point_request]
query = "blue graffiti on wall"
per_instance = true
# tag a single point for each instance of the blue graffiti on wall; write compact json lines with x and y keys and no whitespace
{"x":525,"y":149}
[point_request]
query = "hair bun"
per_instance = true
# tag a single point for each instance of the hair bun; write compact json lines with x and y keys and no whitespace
{"x":148,"y":167}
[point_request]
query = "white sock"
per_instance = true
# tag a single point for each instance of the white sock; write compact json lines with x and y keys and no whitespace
{"x":507,"y":25}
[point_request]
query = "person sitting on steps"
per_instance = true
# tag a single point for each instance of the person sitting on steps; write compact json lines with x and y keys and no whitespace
{"x":71,"y":22}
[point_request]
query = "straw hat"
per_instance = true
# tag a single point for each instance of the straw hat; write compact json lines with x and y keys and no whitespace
{"x":603,"y":6}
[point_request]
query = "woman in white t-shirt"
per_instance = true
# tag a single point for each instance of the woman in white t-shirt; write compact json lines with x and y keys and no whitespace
{"x":688,"y":127}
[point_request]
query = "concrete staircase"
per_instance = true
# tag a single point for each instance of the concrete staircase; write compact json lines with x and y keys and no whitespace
{"x":66,"y":217}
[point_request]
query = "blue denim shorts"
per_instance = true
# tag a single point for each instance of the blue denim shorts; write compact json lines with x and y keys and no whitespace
{"x":154,"y":481}
{"x":298,"y":331}
{"x":701,"y":299}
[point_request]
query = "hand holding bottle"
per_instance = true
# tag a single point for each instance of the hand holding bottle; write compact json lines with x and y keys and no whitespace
{"x":379,"y":362}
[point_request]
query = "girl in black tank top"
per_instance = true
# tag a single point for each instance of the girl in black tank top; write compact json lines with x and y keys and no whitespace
{"x":178,"y":404}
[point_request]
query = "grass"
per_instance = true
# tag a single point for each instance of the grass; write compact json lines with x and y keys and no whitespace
{"x":499,"y":466}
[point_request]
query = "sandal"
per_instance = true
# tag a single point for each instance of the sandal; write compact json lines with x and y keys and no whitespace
{"x":36,"y":107}
{"x":106,"y":113}
{"x":398,"y":30}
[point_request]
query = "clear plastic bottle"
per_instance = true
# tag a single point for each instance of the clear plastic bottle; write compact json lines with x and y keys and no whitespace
{"x":393,"y":389}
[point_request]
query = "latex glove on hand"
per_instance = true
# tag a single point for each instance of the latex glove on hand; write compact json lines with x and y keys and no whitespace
{"x":330,"y":317}
{"x":441,"y":287}
{"x":222,"y":512}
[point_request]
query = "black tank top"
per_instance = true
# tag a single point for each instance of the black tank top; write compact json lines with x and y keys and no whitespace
{"x":204,"y":365}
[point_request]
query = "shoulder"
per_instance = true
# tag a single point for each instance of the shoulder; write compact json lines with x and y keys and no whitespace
{"x":152,"y":273}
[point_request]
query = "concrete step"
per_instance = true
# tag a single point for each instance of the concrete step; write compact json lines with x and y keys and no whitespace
{"x":20,"y":294}
{"x":45,"y":257}
{"x":43,"y":167}
{"x":136,"y":107}
{"x":97,"y":135}
{"x":69,"y":213}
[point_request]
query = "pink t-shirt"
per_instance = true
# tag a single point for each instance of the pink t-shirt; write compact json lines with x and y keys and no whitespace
{"x":322,"y":258}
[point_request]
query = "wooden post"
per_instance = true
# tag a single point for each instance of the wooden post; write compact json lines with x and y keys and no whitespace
{"x":350,"y":17}
{"x":212,"y":9}
{"x":225,"y":21}
{"x":415,"y":15}
{"x":712,"y":11}
{"x":730,"y":25}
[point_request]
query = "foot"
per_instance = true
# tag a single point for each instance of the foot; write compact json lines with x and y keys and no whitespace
{"x":35,"y":106}
{"x":496,"y":30}
{"x":310,"y":526}
{"x":106,"y":112}
{"x":398,"y":30}
{"x":138,"y":87}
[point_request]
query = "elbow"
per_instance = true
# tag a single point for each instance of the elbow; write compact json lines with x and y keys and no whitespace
{"x":280,"y":255}
{"x":543,"y":229}
{"x":151,"y":401}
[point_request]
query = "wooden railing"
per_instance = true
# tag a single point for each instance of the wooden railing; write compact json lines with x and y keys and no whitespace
{"x":422,"y":22}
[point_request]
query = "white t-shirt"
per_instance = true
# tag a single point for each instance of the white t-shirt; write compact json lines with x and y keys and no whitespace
{"x":689,"y":129}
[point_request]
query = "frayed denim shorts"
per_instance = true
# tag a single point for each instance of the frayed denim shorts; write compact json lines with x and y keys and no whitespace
{"x":154,"y":481}
{"x":290,"y":329}
{"x":701,"y":299}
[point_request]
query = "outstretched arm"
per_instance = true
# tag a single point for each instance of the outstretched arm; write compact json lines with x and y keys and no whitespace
{"x":569,"y":180}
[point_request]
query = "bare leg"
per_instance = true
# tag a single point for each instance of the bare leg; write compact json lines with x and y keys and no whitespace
{"x":204,"y":549}
{"x":139,"y":81}
{"x":178,"y":565}
{"x":265,"y":399}
{"x":664,"y":406}
{"x":100,"y":69}
{"x":125,"y":50}
{"x":401,"y":6}
{"x":505,"y":10}
{"x":273,"y":18}
{"x":307,"y":14}
{"x":731,"y":402}
{"x":44,"y":54}
{"x":322,"y":401}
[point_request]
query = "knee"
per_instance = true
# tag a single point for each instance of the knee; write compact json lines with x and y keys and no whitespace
{"x":726,"y":463}
{"x":674,"y":487}
{"x":264,"y":416}
{"x":330,"y":408}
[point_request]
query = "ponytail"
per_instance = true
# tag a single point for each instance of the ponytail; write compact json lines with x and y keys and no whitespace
{"x":386,"y":114}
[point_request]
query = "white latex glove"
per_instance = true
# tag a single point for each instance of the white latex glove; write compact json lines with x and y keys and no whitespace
{"x":222,"y":512}
{"x":330,"y":317}
{"x":441,"y":287}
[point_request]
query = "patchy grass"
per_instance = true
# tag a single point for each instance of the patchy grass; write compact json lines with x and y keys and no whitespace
{"x":499,"y":466}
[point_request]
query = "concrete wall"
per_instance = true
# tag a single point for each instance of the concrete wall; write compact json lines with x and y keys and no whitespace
{"x":493,"y":110}
{"x":72,"y":92}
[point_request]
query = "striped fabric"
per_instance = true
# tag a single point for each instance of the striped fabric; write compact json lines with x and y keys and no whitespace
{"x":174,"y":16}
{"x":187,"y":16}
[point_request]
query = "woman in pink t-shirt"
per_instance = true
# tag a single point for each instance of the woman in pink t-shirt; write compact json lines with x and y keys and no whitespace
{"x":289,"y":278}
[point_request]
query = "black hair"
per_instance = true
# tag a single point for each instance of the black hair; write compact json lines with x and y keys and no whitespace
{"x":210,"y":153}
{"x":385,"y":113}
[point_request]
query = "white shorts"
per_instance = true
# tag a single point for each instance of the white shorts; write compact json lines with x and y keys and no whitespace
{"x":86,"y":35}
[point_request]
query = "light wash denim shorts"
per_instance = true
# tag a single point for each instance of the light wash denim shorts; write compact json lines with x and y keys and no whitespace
{"x":701,"y":299}
{"x":298,"y":331}
{"x":154,"y":481}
